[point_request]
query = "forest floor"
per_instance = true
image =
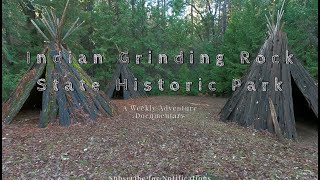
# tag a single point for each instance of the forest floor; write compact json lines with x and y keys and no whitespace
{"x":177,"y":147}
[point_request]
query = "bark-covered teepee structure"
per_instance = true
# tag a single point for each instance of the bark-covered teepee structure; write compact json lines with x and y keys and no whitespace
{"x":121,"y":75}
{"x":69,"y":104}
{"x":273,"y":110}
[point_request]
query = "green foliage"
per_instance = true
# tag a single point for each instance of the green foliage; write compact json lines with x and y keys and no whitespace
{"x":302,"y":30}
{"x":17,"y":39}
{"x":246,"y":32}
{"x":9,"y":81}
{"x":164,"y":27}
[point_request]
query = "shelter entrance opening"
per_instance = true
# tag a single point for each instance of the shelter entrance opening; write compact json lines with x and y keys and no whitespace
{"x":306,"y":120}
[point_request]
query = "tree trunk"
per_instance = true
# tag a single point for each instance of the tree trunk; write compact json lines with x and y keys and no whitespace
{"x":192,"y":23}
{"x":224,"y":16}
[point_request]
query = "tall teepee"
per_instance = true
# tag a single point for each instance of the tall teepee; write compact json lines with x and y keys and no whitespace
{"x":81,"y":104}
{"x":273,"y":110}
{"x":123,"y":74}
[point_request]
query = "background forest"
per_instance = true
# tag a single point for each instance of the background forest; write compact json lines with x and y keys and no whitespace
{"x":164,"y":26}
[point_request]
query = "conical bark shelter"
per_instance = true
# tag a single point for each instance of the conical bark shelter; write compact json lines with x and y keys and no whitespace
{"x":272,"y":110}
{"x":77,"y":104}
{"x":121,"y":75}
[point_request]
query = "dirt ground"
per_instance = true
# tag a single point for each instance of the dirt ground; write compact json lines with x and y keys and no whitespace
{"x":169,"y":137}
